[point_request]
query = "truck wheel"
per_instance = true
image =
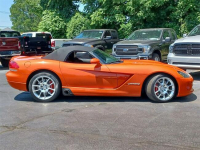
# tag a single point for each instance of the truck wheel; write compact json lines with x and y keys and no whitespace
{"x":156,"y":57}
{"x":161,"y":88}
{"x":4,"y":62}
{"x":100,"y":47}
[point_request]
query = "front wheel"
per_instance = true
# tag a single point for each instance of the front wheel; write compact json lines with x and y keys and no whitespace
{"x":44,"y":87}
{"x":161,"y":88}
{"x":156,"y":57}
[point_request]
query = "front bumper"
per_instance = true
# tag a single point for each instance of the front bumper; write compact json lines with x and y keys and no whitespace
{"x":185,"y":87}
{"x":142,"y":56}
{"x":185,"y":62}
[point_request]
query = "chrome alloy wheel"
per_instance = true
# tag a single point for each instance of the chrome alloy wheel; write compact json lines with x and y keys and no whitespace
{"x":164,"y":89}
{"x":43,"y":87}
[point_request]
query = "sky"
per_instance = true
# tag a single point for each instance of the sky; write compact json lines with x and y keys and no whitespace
{"x":4,"y":13}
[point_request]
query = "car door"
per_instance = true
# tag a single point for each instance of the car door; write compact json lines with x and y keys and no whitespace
{"x":165,"y":45}
{"x":86,"y":75}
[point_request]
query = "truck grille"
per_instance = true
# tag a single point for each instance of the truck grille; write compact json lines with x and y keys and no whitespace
{"x":126,"y":50}
{"x":187,"y":49}
{"x":71,"y":44}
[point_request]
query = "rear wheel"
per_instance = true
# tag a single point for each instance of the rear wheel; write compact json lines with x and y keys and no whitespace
{"x":44,"y":87}
{"x":161,"y":88}
{"x":156,"y":57}
{"x":4,"y":62}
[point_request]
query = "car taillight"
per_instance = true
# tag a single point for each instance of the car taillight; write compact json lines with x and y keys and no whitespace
{"x":13,"y":65}
{"x":19,"y":45}
{"x":53,"y":44}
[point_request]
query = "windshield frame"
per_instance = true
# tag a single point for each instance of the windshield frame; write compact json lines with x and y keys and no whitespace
{"x":198,"y":26}
{"x":91,"y":31}
{"x":117,"y":60}
{"x":160,"y":37}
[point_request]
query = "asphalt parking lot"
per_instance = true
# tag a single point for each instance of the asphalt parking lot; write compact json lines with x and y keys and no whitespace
{"x":98,"y":123}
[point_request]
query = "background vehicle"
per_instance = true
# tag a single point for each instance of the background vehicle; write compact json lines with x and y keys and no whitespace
{"x":99,"y":38}
{"x":185,"y":52}
{"x":146,"y":43}
{"x":79,"y":70}
{"x":55,"y":43}
{"x":8,"y":45}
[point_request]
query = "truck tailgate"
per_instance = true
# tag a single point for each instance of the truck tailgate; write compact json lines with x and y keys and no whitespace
{"x":8,"y":44}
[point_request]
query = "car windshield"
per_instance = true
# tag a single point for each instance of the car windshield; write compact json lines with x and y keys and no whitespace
{"x":90,"y":35}
{"x":195,"y":31}
{"x":9,"y":34}
{"x":104,"y":57}
{"x":145,"y":35}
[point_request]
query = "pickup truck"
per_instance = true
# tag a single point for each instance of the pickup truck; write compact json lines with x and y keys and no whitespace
{"x":146,"y":44}
{"x":55,"y":43}
{"x":34,"y":45}
{"x":8,"y":46}
{"x":185,"y":52}
{"x":100,"y":38}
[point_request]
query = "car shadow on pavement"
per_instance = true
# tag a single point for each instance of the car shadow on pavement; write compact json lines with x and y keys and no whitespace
{"x":3,"y":68}
{"x":26,"y":97}
{"x":195,"y":75}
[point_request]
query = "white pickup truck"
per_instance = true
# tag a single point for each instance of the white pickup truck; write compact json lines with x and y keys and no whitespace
{"x":185,"y":52}
{"x":55,"y":43}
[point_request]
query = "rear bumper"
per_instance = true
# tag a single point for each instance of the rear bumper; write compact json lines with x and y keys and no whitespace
{"x":186,"y":62}
{"x":9,"y":54}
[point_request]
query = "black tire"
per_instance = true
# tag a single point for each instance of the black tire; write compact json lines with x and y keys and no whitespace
{"x":100,"y":47}
{"x":57,"y":86}
{"x":5,"y":62}
{"x":156,"y":57}
{"x":151,"y":92}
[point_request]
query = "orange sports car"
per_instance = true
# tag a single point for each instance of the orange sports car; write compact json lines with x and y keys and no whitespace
{"x":85,"y":71}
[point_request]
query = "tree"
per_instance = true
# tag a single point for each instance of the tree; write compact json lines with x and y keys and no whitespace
{"x":77,"y":24}
{"x":25,"y":15}
{"x":53,"y":22}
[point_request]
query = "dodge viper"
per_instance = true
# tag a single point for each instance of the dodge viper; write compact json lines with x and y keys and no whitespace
{"x":85,"y":71}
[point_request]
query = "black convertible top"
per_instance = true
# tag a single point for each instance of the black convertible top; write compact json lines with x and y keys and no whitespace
{"x":61,"y":53}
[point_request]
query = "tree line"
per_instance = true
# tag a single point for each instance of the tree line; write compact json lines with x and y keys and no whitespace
{"x":64,"y":20}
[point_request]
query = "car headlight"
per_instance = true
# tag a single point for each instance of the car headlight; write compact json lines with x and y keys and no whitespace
{"x":145,"y":48}
{"x":114,"y":48}
{"x":171,"y":47}
{"x":183,"y":74}
{"x":88,"y":45}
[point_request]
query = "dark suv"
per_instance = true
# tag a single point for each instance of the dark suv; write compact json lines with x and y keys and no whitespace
{"x":146,"y":44}
{"x":99,"y":38}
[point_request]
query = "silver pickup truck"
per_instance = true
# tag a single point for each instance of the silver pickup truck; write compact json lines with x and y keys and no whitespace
{"x":185,"y":52}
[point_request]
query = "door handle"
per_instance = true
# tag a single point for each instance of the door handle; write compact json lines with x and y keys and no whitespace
{"x":112,"y":42}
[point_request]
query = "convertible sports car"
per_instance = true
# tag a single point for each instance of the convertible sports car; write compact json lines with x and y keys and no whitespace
{"x":85,"y":71}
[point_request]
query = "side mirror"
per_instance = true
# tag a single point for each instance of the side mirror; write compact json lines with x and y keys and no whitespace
{"x":107,"y":37}
{"x":95,"y":61}
{"x":167,"y":39}
{"x":184,"y":35}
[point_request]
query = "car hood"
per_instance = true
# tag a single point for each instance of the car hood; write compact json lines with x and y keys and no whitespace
{"x":81,"y":41}
{"x":137,"y":42}
{"x":143,"y":67}
{"x":189,"y":39}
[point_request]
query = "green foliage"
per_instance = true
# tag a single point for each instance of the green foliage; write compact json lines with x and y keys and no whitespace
{"x":53,"y":22}
{"x":25,"y":15}
{"x":77,"y":24}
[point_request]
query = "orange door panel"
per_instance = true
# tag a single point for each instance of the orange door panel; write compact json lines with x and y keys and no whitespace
{"x":88,"y":75}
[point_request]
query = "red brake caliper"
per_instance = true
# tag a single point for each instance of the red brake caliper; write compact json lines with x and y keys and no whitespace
{"x":51,"y":86}
{"x":156,"y":87}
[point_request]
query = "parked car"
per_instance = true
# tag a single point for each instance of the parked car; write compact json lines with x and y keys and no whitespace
{"x":79,"y":70}
{"x":100,"y":38}
{"x":55,"y":43}
{"x":185,"y":52}
{"x":8,"y":46}
{"x":146,"y":44}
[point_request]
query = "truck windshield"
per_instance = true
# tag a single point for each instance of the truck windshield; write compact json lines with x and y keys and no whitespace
{"x":105,"y":58}
{"x":90,"y":35}
{"x":195,"y":31}
{"x":9,"y":34}
{"x":145,"y":35}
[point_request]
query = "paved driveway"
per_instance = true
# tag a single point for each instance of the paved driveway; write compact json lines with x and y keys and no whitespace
{"x":98,"y":123}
